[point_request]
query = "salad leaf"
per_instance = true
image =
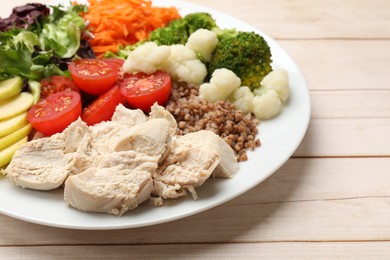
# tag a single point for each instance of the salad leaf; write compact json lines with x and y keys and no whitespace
{"x":15,"y":62}
{"x":63,"y":31}
{"x":43,"y":45}
{"x":24,"y":16}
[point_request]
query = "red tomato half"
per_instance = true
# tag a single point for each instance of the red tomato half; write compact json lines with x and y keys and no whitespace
{"x":142,"y":91}
{"x":94,"y":76}
{"x":115,"y":62}
{"x":56,"y":84}
{"x":53,"y":114}
{"x":103,"y":107}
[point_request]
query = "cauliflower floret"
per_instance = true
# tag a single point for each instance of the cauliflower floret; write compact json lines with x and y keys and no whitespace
{"x":184,"y":66}
{"x":223,"y":82}
{"x":146,"y":58}
{"x":243,"y":99}
{"x":267,"y":105}
{"x":203,"y":41}
{"x":278,"y":81}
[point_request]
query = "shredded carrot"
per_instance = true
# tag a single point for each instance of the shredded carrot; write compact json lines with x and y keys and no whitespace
{"x":123,"y":22}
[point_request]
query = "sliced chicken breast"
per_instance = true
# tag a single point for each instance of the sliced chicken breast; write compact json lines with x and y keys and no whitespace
{"x":208,"y":140}
{"x":184,"y":168}
{"x":40,"y":165}
{"x":108,"y":190}
{"x":121,"y":179}
{"x":149,"y":138}
{"x":44,"y":164}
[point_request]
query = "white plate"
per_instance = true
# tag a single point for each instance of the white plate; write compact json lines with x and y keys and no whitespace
{"x":279,"y":137}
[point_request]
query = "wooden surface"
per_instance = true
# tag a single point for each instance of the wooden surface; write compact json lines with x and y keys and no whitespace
{"x":331,"y":200}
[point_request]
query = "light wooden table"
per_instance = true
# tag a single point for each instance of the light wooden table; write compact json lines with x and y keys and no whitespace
{"x":331,"y":200}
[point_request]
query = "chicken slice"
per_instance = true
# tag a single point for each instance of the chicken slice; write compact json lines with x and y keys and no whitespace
{"x":40,"y":164}
{"x":106,"y":133}
{"x":184,"y":168}
{"x":45,"y":163}
{"x":78,"y":141}
{"x":208,"y":140}
{"x":128,"y":160}
{"x":121,"y":179}
{"x":149,"y":138}
{"x":160,"y":112}
{"x":110,"y":190}
{"x":128,"y":117}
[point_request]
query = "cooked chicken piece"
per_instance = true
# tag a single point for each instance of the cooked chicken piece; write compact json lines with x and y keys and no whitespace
{"x":128,"y":117}
{"x":76,"y":137}
{"x":208,"y":140}
{"x":77,"y":140}
{"x":184,"y":168}
{"x":45,"y":163}
{"x":106,"y":133}
{"x":128,"y":160}
{"x":192,"y":159}
{"x":121,"y":179}
{"x":167,"y":191}
{"x":40,"y":165}
{"x":109,"y":190}
{"x":149,"y":138}
{"x":160,"y":112}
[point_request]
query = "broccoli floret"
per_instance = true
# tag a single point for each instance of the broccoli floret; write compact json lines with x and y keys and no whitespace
{"x":197,"y":21}
{"x":178,"y":31}
{"x":175,"y":33}
{"x":225,"y":33}
{"x":247,"y":54}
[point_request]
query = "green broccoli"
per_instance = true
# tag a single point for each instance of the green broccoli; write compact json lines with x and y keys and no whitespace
{"x":175,"y":33}
{"x":247,"y":54}
{"x":178,"y":31}
{"x":197,"y":21}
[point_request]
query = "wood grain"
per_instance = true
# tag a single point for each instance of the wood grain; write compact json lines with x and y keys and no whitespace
{"x":290,"y":250}
{"x":342,"y":64}
{"x":307,"y":19}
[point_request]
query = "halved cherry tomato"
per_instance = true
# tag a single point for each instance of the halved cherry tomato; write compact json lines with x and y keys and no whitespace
{"x":54,"y":113}
{"x":56,"y":84}
{"x":94,"y":76}
{"x":142,"y":90}
{"x":116,"y":62}
{"x":103,"y":107}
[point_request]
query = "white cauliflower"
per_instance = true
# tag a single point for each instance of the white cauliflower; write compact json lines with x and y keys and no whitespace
{"x":203,"y":41}
{"x":146,"y":58}
{"x":243,"y":99}
{"x":278,"y":81}
{"x":267,"y":105}
{"x":184,"y":66}
{"x":223,"y":82}
{"x":180,"y":62}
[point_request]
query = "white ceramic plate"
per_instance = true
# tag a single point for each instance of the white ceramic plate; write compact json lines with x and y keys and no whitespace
{"x":279,"y":137}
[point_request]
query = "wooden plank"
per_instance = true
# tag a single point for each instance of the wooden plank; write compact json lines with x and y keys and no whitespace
{"x":308,"y":19}
{"x":342,"y":64}
{"x":306,"y":200}
{"x":350,"y":104}
{"x":321,"y":180}
{"x":346,"y":137}
{"x":356,"y":251}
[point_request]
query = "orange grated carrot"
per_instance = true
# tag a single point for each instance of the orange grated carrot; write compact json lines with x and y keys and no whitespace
{"x":124,"y":22}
